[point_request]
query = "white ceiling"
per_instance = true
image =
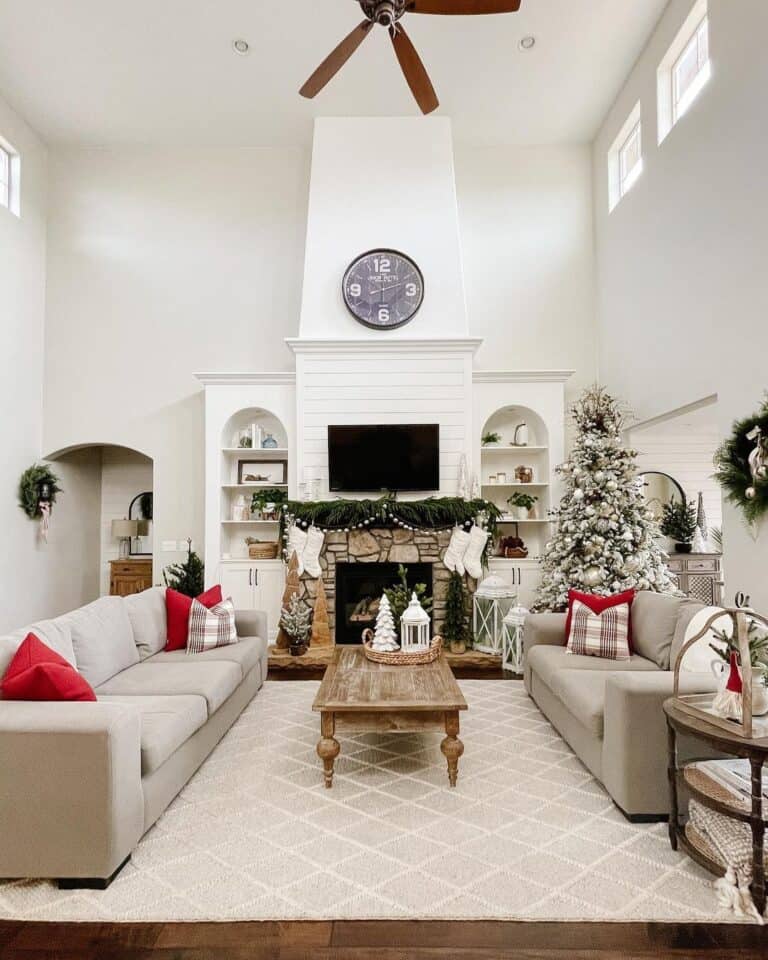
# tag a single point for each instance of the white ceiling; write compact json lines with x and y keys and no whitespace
{"x":103,"y":72}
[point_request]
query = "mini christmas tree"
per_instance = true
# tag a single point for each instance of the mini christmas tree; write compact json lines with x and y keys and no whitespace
{"x":188,"y":577}
{"x":296,"y":622}
{"x":456,"y":627}
{"x":321,"y":631}
{"x":606,"y":539}
{"x":292,"y":581}
{"x":385,"y":634}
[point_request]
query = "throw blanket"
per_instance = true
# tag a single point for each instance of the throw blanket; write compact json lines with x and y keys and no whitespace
{"x":732,"y":842}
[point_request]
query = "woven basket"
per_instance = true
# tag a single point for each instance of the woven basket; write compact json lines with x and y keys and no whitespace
{"x":262,"y":551}
{"x":399,"y":659}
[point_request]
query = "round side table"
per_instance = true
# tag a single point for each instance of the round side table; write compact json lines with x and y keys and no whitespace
{"x":749,"y":811}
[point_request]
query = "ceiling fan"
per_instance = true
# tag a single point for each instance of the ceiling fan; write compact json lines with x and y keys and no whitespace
{"x":388,"y":13}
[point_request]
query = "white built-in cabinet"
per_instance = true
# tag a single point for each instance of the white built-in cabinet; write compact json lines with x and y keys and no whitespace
{"x":523,"y":576}
{"x":255,"y":585}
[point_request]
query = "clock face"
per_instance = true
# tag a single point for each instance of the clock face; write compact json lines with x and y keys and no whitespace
{"x":383,"y":289}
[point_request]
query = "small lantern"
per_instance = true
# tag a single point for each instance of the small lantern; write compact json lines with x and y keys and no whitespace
{"x":512,"y":640}
{"x":414,"y":628}
{"x":493,"y":600}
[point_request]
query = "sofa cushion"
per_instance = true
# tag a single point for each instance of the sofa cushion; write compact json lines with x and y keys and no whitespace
{"x":582,"y":693}
{"x":38,"y":673}
{"x":654,"y":617}
{"x":688,"y":610}
{"x":213,"y":680}
{"x":166,"y":723}
{"x":178,"y":607}
{"x":604,"y":634}
{"x":246,"y":653}
{"x":548,"y":661}
{"x":102,"y":638}
{"x":146,"y":611}
{"x":54,"y":634}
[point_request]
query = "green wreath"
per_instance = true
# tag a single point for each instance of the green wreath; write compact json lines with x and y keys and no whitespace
{"x":29,"y":489}
{"x":733,"y":471}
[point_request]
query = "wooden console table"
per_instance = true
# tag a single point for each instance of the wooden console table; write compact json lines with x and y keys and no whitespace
{"x":751,"y":812}
{"x":129,"y":576}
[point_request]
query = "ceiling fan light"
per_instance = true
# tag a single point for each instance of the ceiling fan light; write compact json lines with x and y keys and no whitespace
{"x":527,"y":43}
{"x":241,"y":46}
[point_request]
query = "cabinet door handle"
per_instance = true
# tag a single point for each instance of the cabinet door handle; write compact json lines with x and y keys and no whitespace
{"x":250,"y":576}
{"x":255,"y":578}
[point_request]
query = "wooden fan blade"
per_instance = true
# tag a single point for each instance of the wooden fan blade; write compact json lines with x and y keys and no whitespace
{"x":463,"y":7}
{"x":413,"y":69}
{"x":335,"y":60}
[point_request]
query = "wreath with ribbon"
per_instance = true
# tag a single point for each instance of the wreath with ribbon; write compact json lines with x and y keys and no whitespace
{"x":741,"y":465}
{"x":34,"y":481}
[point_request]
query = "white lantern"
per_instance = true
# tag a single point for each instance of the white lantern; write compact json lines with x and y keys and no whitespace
{"x":414,"y":628}
{"x":493,"y":600}
{"x":512,"y":640}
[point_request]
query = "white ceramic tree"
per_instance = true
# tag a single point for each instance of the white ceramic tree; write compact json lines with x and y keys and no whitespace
{"x":385,"y":634}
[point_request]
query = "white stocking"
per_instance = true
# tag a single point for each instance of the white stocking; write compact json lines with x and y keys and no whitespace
{"x":311,"y":557}
{"x":473,"y":558}
{"x":456,"y":549}
{"x":297,"y":541}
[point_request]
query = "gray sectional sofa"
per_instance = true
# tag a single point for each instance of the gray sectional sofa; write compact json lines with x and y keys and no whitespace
{"x":610,"y":711}
{"x":80,"y":783}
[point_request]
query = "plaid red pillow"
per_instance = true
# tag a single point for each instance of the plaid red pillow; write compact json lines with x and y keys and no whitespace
{"x":212,"y":628}
{"x":603,"y":634}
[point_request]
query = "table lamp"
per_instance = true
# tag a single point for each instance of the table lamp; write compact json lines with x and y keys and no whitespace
{"x":123,"y":530}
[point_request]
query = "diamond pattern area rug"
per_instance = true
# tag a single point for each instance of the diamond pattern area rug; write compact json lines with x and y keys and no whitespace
{"x":528,"y":833}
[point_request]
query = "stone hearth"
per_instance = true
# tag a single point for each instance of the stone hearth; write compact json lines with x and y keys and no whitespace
{"x":383,"y":545}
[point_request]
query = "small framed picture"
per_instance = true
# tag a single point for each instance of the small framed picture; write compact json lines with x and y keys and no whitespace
{"x":260,"y":473}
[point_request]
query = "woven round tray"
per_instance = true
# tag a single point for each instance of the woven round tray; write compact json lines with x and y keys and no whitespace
{"x":399,"y":659}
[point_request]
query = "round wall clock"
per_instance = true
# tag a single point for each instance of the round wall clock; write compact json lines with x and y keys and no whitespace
{"x":383,"y":289}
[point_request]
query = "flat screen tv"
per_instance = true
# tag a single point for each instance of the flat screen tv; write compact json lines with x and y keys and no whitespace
{"x":364,"y":459}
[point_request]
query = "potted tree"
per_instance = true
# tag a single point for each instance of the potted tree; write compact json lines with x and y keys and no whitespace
{"x":521,"y":504}
{"x":679,"y":524}
{"x":296,"y":621}
{"x":456,"y":625}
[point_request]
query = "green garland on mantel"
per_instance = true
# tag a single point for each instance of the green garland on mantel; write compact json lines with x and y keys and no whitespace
{"x":29,"y":488}
{"x":732,"y":468}
{"x":436,"y":513}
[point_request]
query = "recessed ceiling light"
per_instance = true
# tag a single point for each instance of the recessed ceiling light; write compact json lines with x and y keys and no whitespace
{"x":241,"y":46}
{"x":528,"y":43}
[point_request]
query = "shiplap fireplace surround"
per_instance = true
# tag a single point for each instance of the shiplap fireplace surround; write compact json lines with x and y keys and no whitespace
{"x":348,"y":374}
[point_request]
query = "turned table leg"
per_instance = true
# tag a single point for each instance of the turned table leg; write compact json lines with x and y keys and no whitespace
{"x":328,"y":748}
{"x":672,"y":776}
{"x":758,"y":836}
{"x":452,"y":747}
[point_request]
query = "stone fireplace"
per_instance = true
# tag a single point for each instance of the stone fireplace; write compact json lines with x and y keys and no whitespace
{"x":419,"y":551}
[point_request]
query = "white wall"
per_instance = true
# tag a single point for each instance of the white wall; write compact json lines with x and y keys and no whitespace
{"x":124,"y":474}
{"x":682,"y":293}
{"x":526,"y":226}
{"x":41,"y":579}
{"x":162,"y":263}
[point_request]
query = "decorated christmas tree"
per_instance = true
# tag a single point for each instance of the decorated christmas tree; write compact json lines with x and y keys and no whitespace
{"x":385,"y":634}
{"x":606,"y":539}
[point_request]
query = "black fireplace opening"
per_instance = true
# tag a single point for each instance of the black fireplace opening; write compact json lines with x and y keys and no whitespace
{"x":359,"y":587}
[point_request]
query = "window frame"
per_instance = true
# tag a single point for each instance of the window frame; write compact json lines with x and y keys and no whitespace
{"x":12,"y":201}
{"x":5,"y":194}
{"x":671,"y":107}
{"x":628,"y":178}
{"x":681,"y":104}
{"x":620,"y":183}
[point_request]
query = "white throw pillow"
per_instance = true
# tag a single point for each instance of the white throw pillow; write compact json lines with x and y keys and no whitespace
{"x":209,"y":629}
{"x":699,"y":658}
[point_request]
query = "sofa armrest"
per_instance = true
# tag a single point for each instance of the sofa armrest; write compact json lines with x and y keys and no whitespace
{"x":544,"y":628}
{"x":635,"y":737}
{"x":71,"y":801}
{"x":251,"y":623}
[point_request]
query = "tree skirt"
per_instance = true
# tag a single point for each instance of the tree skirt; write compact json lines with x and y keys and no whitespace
{"x":527,"y":834}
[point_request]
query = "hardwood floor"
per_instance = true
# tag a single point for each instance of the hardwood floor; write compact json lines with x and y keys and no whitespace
{"x":381,"y":940}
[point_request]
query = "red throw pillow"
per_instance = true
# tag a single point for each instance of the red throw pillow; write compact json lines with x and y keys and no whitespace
{"x":38,"y":673}
{"x":177,"y":609}
{"x":597,"y":604}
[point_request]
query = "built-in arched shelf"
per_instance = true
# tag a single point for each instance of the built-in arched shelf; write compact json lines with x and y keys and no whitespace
{"x":502,"y":463}
{"x":247,"y":467}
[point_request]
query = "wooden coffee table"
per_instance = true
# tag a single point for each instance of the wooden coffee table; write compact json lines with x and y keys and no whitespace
{"x":359,"y":696}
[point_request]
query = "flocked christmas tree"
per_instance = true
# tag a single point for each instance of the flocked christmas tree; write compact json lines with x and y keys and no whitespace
{"x":606,"y":539}
{"x":385,"y":634}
